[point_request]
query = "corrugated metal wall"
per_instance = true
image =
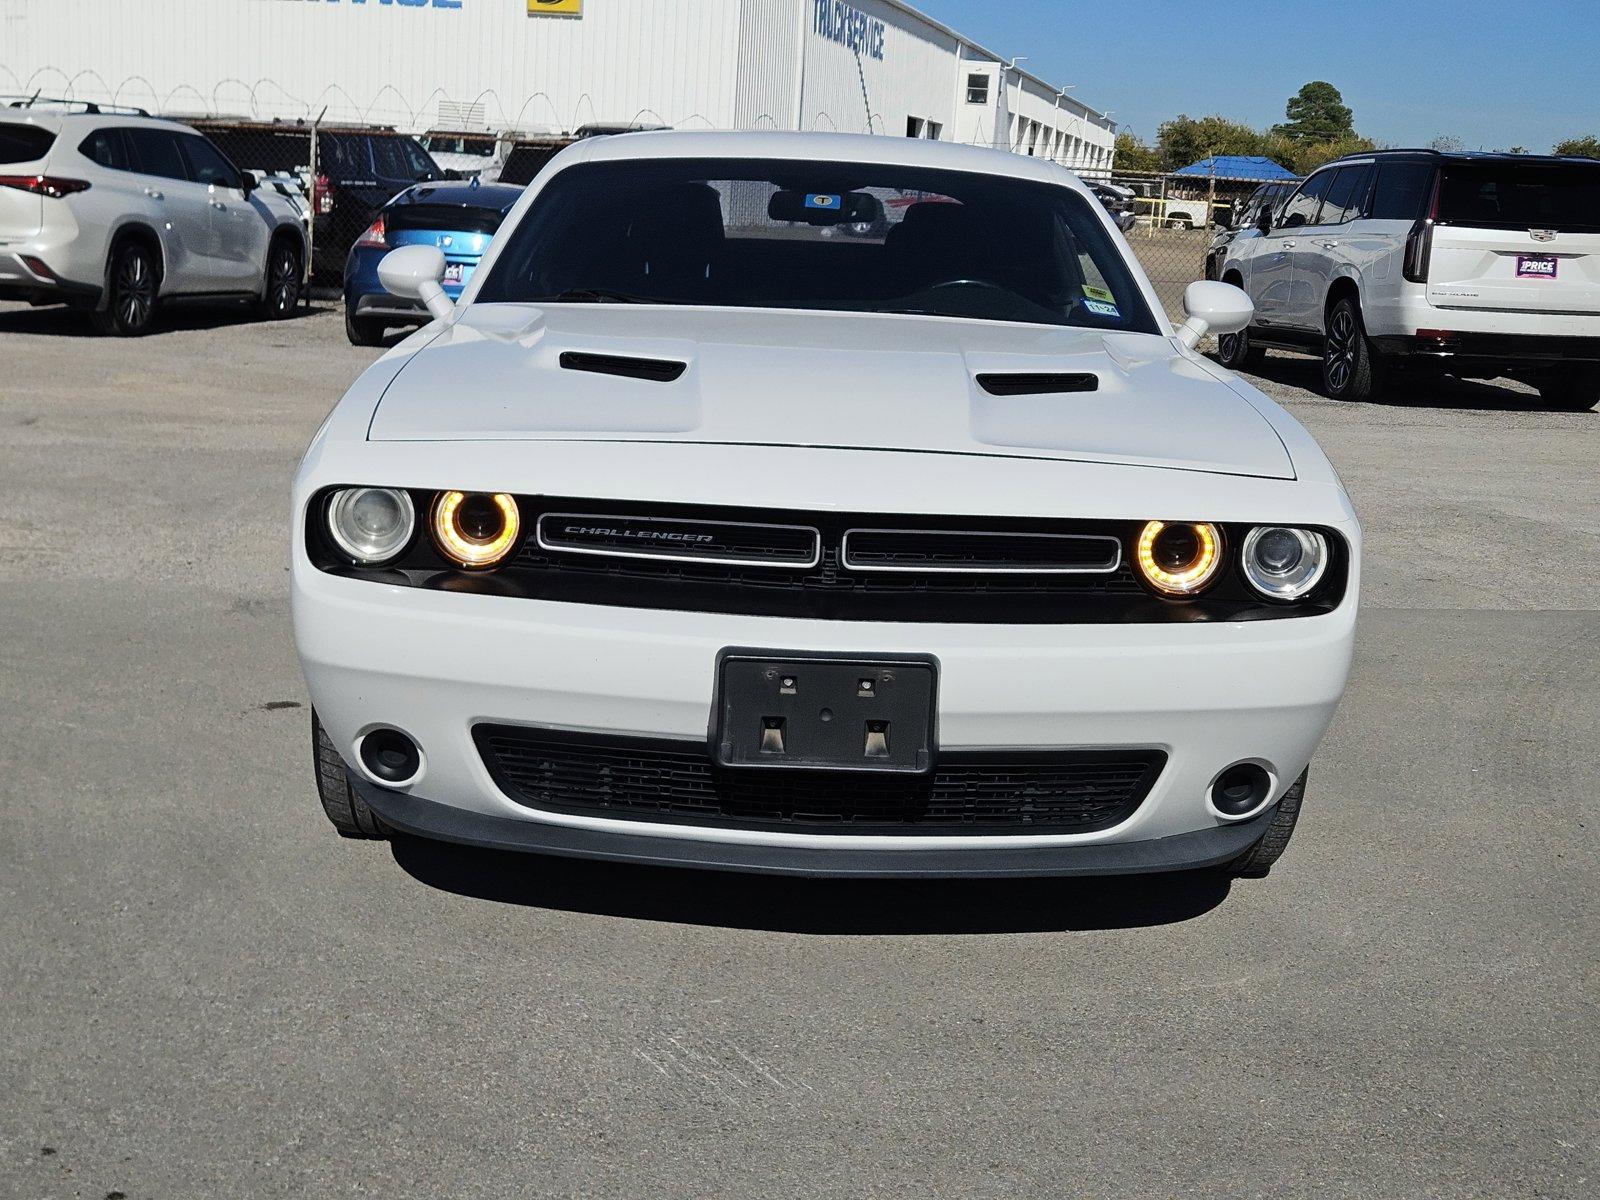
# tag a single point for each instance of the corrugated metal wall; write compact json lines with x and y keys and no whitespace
{"x":669,"y":63}
{"x":858,"y":93}
{"x":767,"y":90}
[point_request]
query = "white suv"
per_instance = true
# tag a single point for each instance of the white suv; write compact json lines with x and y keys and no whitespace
{"x":1479,"y":265}
{"x":116,"y":214}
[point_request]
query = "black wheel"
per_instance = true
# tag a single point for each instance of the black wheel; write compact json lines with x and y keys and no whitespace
{"x":1257,"y":861}
{"x":132,"y":282}
{"x":1351,"y":368}
{"x":285,"y":270}
{"x":1573,"y":388}
{"x":348,"y":811}
{"x":1236,"y":352}
{"x":362,"y":331}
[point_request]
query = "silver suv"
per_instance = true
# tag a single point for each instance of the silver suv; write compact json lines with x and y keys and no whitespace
{"x":1476,"y":265}
{"x":116,"y":214}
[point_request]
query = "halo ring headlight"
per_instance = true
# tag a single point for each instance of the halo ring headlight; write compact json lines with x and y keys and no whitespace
{"x":371,"y":525}
{"x":1179,"y":558}
{"x":475,"y":529}
{"x":1284,"y":563}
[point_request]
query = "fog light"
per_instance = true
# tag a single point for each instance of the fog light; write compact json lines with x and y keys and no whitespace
{"x":475,"y":529}
{"x":1179,"y":559}
{"x":1241,"y":789}
{"x":391,"y":756}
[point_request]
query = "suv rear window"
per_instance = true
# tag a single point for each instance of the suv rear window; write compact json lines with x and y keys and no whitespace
{"x":24,"y":143}
{"x":1513,"y":195}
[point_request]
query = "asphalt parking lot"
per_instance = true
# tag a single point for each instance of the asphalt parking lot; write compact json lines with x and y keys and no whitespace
{"x":208,"y":994}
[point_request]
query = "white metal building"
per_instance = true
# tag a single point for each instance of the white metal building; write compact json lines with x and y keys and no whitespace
{"x":549,"y":66}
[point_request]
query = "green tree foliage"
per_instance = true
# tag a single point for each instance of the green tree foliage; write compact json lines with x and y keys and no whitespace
{"x":1136,"y":154}
{"x":1589,"y":145}
{"x":1317,"y":113}
{"x":1185,"y":139}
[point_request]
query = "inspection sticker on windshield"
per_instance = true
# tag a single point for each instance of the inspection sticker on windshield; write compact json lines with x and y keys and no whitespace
{"x":1098,"y":293}
{"x":832,"y":203}
{"x":1101,"y":309}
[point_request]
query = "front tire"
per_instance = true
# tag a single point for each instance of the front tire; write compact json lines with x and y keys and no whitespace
{"x":1351,"y":368}
{"x":1256,"y":862}
{"x":133,"y":281}
{"x":1573,"y":388}
{"x":1236,"y":351}
{"x":347,"y":811}
{"x":285,"y":270}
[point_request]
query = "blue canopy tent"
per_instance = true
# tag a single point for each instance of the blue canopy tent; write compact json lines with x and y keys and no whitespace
{"x":1238,"y":166}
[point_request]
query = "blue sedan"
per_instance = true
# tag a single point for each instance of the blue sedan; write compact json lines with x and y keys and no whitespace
{"x":459,"y":218}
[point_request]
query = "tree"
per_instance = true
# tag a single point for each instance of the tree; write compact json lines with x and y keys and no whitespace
{"x":1589,"y":145}
{"x":1185,"y":140}
{"x":1136,"y":154}
{"x":1446,"y":143}
{"x":1317,"y":113}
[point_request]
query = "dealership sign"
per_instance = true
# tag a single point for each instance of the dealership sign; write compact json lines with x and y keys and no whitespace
{"x":849,"y":26}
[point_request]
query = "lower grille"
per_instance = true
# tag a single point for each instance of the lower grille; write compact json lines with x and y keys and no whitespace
{"x":676,"y":782}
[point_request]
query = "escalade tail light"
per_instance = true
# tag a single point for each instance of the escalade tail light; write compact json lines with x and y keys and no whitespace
{"x":52,"y":186}
{"x":322,"y":195}
{"x":1419,"y":242}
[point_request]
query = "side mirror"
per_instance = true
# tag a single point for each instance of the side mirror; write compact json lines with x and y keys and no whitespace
{"x":1264,"y":221}
{"x":249,"y":181}
{"x":417,"y":273}
{"x":1212,"y":307}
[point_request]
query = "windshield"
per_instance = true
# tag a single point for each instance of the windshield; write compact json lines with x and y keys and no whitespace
{"x":1513,"y":195}
{"x":850,"y":237}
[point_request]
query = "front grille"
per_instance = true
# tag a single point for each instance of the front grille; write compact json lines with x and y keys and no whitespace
{"x":676,"y":782}
{"x":911,"y":578}
{"x":979,"y":553}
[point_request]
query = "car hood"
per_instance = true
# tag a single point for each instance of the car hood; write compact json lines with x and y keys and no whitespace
{"x":860,"y":381}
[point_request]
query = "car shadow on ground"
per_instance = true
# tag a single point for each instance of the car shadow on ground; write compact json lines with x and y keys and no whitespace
{"x":817,"y":906}
{"x":1408,"y":390}
{"x":60,"y":321}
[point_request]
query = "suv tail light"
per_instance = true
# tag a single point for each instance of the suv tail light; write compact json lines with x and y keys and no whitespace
{"x":1419,"y":242}
{"x":322,"y":195}
{"x":53,"y":186}
{"x":375,"y":236}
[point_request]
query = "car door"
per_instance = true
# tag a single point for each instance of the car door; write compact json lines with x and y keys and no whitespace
{"x":1323,"y":253}
{"x":182,"y":208}
{"x":1272,"y":258}
{"x":237,"y":246}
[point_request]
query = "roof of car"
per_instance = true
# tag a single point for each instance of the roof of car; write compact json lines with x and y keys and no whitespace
{"x":1470,"y":156}
{"x":497,"y":196}
{"x":818,"y":147}
{"x":59,"y":120}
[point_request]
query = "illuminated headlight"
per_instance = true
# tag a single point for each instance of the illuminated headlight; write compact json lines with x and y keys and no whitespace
{"x":1178,"y":558}
{"x":371,"y":525}
{"x":475,"y":529}
{"x":1283,"y":563}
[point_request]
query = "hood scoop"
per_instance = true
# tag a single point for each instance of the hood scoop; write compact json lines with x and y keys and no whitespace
{"x":1038,"y":384}
{"x":656,"y":370}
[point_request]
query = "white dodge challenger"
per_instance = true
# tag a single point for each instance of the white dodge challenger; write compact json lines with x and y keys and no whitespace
{"x":822,"y":505}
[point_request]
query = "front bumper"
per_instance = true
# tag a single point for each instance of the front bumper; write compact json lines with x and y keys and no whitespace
{"x":436,"y":664}
{"x":1181,"y":852}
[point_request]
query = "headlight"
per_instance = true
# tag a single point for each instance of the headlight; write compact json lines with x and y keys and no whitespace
{"x":475,"y":529}
{"x":1179,"y":559}
{"x":371,"y":525}
{"x":1282,"y":563}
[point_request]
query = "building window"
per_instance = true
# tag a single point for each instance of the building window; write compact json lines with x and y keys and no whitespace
{"x":935,"y":131}
{"x":977,"y":89}
{"x":914,"y":127}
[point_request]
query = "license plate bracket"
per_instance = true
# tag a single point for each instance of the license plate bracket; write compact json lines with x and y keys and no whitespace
{"x":455,"y":272}
{"x":1538,"y":266}
{"x":814,"y":712}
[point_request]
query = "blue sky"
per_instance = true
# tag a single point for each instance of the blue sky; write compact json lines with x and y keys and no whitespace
{"x":1515,"y":72}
